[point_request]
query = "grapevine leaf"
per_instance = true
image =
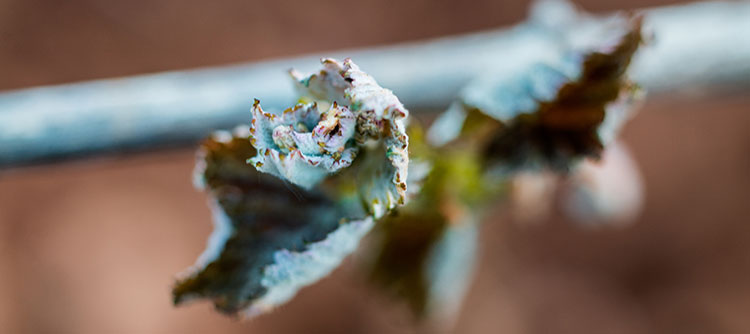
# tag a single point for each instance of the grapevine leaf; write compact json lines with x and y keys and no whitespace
{"x":292,"y":201}
{"x":551,"y":115}
{"x":427,"y":248}
{"x":380,"y":117}
{"x":262,"y":252}
{"x":426,"y":260}
{"x":303,"y":145}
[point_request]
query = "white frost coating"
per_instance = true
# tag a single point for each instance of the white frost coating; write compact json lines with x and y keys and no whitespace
{"x":505,"y":96}
{"x":553,"y":14}
{"x":303,"y":145}
{"x":221,"y":136}
{"x":450,"y":268}
{"x":419,"y":169}
{"x":380,"y":116}
{"x":447,"y":126}
{"x":222,"y":223}
{"x":222,"y":231}
{"x":607,"y":191}
{"x":696,"y":45}
{"x":294,"y":270}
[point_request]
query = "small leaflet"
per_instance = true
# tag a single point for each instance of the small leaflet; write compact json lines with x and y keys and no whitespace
{"x":303,"y":145}
{"x":261,"y":252}
{"x":552,"y":115}
{"x":427,"y":261}
{"x":381,"y":128}
{"x":293,"y":194}
{"x":427,"y":249}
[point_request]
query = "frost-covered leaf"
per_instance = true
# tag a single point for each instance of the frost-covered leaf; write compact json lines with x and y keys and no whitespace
{"x":294,"y":194}
{"x":450,"y":267}
{"x":303,"y":145}
{"x":426,"y":260}
{"x":427,"y":248}
{"x":401,"y":264}
{"x":380,"y":130}
{"x":551,"y":115}
{"x":270,"y":239}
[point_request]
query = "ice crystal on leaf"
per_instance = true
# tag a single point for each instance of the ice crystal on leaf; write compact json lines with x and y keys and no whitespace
{"x":552,"y":115}
{"x":426,"y":251}
{"x":548,"y":116}
{"x":293,"y":194}
{"x":303,"y":145}
{"x":381,"y":127}
{"x":262,"y":252}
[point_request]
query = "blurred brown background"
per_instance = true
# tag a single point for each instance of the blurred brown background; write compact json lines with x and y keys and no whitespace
{"x":93,"y":246}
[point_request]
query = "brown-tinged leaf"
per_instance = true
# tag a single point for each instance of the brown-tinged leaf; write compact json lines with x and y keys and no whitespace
{"x":552,"y":115}
{"x":271,"y":238}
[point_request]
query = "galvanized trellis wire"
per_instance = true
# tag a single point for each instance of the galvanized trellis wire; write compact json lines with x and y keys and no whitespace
{"x":697,"y":45}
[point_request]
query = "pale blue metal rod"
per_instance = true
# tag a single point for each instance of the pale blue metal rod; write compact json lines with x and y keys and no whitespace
{"x":699,"y":44}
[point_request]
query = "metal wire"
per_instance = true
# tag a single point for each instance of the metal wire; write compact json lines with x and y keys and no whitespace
{"x":696,"y":45}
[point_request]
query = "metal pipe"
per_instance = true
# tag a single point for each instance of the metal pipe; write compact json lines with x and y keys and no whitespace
{"x":699,"y":44}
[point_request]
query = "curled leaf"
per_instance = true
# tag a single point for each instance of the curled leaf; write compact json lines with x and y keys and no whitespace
{"x":427,"y":248}
{"x":303,"y":145}
{"x":450,"y":267}
{"x":381,"y":128}
{"x":292,"y":201}
{"x":552,"y":115}
{"x":262,"y":251}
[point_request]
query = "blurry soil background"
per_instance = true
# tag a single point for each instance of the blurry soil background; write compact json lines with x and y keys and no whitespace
{"x":93,"y":246}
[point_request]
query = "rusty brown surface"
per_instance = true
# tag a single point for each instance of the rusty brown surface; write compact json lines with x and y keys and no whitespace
{"x":93,"y":246}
